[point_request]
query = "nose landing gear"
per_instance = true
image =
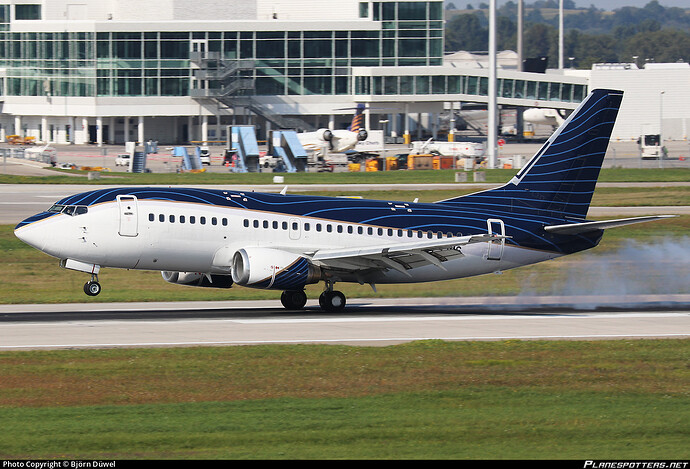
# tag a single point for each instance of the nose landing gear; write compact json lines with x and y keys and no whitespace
{"x":92,"y":287}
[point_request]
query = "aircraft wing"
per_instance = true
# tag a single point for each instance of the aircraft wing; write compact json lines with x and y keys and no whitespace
{"x":578,"y":228}
{"x":398,"y":256}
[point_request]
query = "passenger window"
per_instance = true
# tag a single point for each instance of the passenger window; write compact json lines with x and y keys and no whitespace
{"x":161,"y":218}
{"x":225,"y":222}
{"x":318,"y":227}
{"x":151,"y":217}
{"x":370,"y":230}
{"x":306,"y":227}
{"x":172,"y":218}
{"x":285,"y":225}
{"x":256,"y":223}
{"x":192,"y":219}
{"x":275,"y":225}
{"x":246,"y":223}
{"x":214,"y":221}
{"x":182,"y":218}
{"x":265,"y":223}
{"x":349,"y":230}
{"x":202,"y":220}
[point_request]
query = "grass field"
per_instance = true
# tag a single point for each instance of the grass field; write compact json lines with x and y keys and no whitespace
{"x":423,"y":400}
{"x":381,"y":177}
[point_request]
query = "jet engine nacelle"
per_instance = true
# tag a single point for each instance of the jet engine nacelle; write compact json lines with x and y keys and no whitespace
{"x":362,"y":135}
{"x":272,"y":269}
{"x":325,"y":135}
{"x":196,"y":279}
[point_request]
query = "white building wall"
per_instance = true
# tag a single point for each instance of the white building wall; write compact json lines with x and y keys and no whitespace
{"x":185,"y":10}
{"x":645,"y":109}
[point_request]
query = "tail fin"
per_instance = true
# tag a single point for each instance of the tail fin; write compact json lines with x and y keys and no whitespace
{"x":357,"y":120}
{"x":560,"y":179}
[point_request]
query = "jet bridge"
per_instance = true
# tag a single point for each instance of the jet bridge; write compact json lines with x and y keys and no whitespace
{"x":286,"y":145}
{"x":243,"y":141}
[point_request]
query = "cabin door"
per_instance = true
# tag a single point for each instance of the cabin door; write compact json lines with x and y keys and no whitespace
{"x":129,"y":221}
{"x":495,"y":248}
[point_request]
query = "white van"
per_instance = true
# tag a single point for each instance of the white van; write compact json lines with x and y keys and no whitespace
{"x":205,"y":155}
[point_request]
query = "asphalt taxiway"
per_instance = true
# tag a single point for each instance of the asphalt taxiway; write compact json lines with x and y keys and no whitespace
{"x":366,"y":322}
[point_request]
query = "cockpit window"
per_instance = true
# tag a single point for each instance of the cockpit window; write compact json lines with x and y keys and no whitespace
{"x":69,"y":209}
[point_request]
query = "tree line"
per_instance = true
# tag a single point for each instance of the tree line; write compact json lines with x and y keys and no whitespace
{"x":650,"y":34}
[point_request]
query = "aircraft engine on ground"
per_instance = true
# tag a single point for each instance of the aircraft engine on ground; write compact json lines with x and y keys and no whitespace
{"x":272,"y":269}
{"x":362,"y":135}
{"x":197,"y":279}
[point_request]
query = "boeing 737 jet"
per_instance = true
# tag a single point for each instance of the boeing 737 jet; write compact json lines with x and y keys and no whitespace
{"x":222,"y":238}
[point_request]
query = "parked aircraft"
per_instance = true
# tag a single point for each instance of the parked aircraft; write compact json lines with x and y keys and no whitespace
{"x":544,"y":116}
{"x":220,"y":238}
{"x":336,"y":141}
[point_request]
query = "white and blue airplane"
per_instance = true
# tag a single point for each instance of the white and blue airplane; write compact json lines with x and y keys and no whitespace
{"x":220,"y":238}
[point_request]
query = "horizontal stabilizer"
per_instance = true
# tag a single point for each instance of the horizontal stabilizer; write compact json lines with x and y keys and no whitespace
{"x":578,"y":228}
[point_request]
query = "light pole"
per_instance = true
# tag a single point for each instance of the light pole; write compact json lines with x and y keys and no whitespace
{"x":383,"y":123}
{"x":661,"y":127}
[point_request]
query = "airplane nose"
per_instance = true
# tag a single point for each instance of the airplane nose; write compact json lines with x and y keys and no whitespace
{"x":31,"y":234}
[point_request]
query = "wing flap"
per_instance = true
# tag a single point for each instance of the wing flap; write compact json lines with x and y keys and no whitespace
{"x":399,"y":256}
{"x":579,"y":228}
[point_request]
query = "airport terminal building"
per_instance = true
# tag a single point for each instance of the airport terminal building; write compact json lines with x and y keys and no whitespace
{"x":174,"y":71}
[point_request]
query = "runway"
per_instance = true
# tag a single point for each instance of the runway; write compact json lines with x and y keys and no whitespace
{"x":366,"y":322}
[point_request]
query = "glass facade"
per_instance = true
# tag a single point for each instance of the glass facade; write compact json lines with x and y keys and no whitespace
{"x":470,"y":85}
{"x":149,"y":63}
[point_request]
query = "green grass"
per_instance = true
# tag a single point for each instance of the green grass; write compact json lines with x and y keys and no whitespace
{"x":384,"y":177}
{"x":423,"y":400}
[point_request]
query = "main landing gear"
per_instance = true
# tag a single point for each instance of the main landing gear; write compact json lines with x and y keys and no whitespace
{"x":92,"y":287}
{"x":330,"y":300}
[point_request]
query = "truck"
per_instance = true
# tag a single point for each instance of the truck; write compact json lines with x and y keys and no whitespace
{"x":456,"y":149}
{"x":650,"y":147}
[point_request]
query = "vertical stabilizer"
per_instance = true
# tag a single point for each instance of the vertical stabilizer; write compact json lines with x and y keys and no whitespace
{"x":560,"y":179}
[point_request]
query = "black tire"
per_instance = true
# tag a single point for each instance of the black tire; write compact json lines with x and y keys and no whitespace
{"x":92,"y":288}
{"x":332,"y":301}
{"x":293,"y":299}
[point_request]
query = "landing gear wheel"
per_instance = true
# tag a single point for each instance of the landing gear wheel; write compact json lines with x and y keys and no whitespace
{"x":332,"y":301}
{"x":92,"y":288}
{"x":293,"y":299}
